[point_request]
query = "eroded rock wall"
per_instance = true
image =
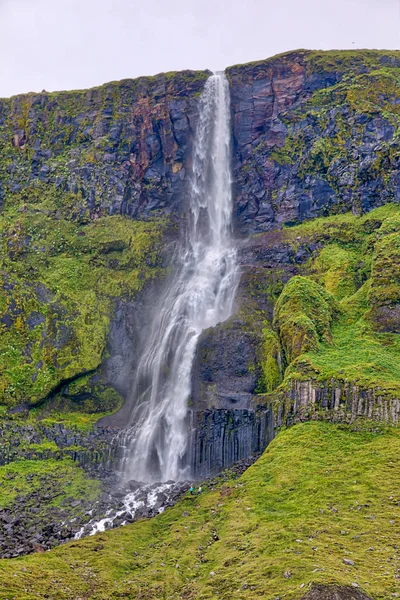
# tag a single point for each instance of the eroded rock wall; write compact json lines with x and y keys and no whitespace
{"x":124,"y":147}
{"x":224,"y":437}
{"x":95,"y":450}
{"x":335,"y":401}
{"x":313,"y":133}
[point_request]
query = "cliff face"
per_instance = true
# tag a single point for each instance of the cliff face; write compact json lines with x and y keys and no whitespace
{"x":315,"y":334}
{"x":77,"y":171}
{"x":90,"y":184}
{"x":123,"y":148}
{"x":314,"y":133}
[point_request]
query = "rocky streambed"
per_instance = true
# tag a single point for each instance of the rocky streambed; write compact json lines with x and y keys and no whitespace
{"x":36,"y":521}
{"x":27,"y":527}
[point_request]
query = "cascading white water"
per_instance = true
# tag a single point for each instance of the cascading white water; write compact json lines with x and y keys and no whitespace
{"x":200,"y":294}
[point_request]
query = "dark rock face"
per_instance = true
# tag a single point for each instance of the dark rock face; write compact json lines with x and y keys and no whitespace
{"x":124,"y":147}
{"x":334,"y":592}
{"x":129,"y":328}
{"x":225,"y":437}
{"x":334,"y":401}
{"x":228,"y":423}
{"x":226,"y":369}
{"x":301,"y":151}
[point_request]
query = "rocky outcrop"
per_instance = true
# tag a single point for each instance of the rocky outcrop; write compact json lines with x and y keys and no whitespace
{"x":335,"y":592}
{"x":123,"y":148}
{"x":227,"y":366}
{"x":335,"y":401}
{"x":313,"y":133}
{"x":222,"y":438}
{"x":38,"y":521}
{"x":96,"y":450}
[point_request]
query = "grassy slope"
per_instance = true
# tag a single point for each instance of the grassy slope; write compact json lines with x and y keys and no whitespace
{"x":320,"y":493}
{"x":68,"y":480}
{"x":345,"y":267}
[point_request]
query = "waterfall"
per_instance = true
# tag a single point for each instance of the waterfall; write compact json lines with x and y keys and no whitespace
{"x":199,"y":294}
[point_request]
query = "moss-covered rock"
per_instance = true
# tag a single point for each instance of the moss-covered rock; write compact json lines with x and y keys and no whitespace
{"x":58,"y":278}
{"x":315,"y":133}
{"x":384,"y":295}
{"x":123,"y":147}
{"x":304,"y":314}
{"x":341,"y":270}
{"x":272,"y":364}
{"x":354,"y":344}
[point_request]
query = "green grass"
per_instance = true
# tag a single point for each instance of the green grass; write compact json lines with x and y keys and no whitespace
{"x":22,"y":477}
{"x":79,"y":420}
{"x":303,"y":316}
{"x":320,"y":493}
{"x":347,"y":229}
{"x":357,"y":352}
{"x":328,"y":60}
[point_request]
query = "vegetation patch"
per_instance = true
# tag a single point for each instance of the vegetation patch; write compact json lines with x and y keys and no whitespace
{"x":304,"y":314}
{"x":63,"y":478}
{"x":58,"y":278}
{"x":339,"y":319}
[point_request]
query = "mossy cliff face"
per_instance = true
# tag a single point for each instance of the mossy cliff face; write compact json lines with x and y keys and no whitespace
{"x":88,"y":180}
{"x":303,"y":317}
{"x":123,"y":148}
{"x":314,"y":133}
{"x":318,"y":323}
{"x":75,"y":167}
{"x":59,"y":281}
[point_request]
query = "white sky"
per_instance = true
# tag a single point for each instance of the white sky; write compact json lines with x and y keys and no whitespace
{"x":68,"y":44}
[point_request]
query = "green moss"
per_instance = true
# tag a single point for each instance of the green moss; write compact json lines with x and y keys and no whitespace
{"x":272,"y":367}
{"x":356,"y":259}
{"x":334,"y":60}
{"x":319,"y":494}
{"x":303,"y":316}
{"x":64,"y":477}
{"x":326,"y":132}
{"x":384,"y":296}
{"x":87,"y":395}
{"x":328,"y":60}
{"x":357,"y":353}
{"x":58,"y":279}
{"x":52,"y":446}
{"x":48,"y":415}
{"x":341,"y":270}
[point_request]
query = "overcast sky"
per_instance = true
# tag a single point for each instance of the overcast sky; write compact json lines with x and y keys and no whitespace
{"x":69,"y":44}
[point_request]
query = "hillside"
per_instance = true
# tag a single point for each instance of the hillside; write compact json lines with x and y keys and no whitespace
{"x":320,"y":495}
